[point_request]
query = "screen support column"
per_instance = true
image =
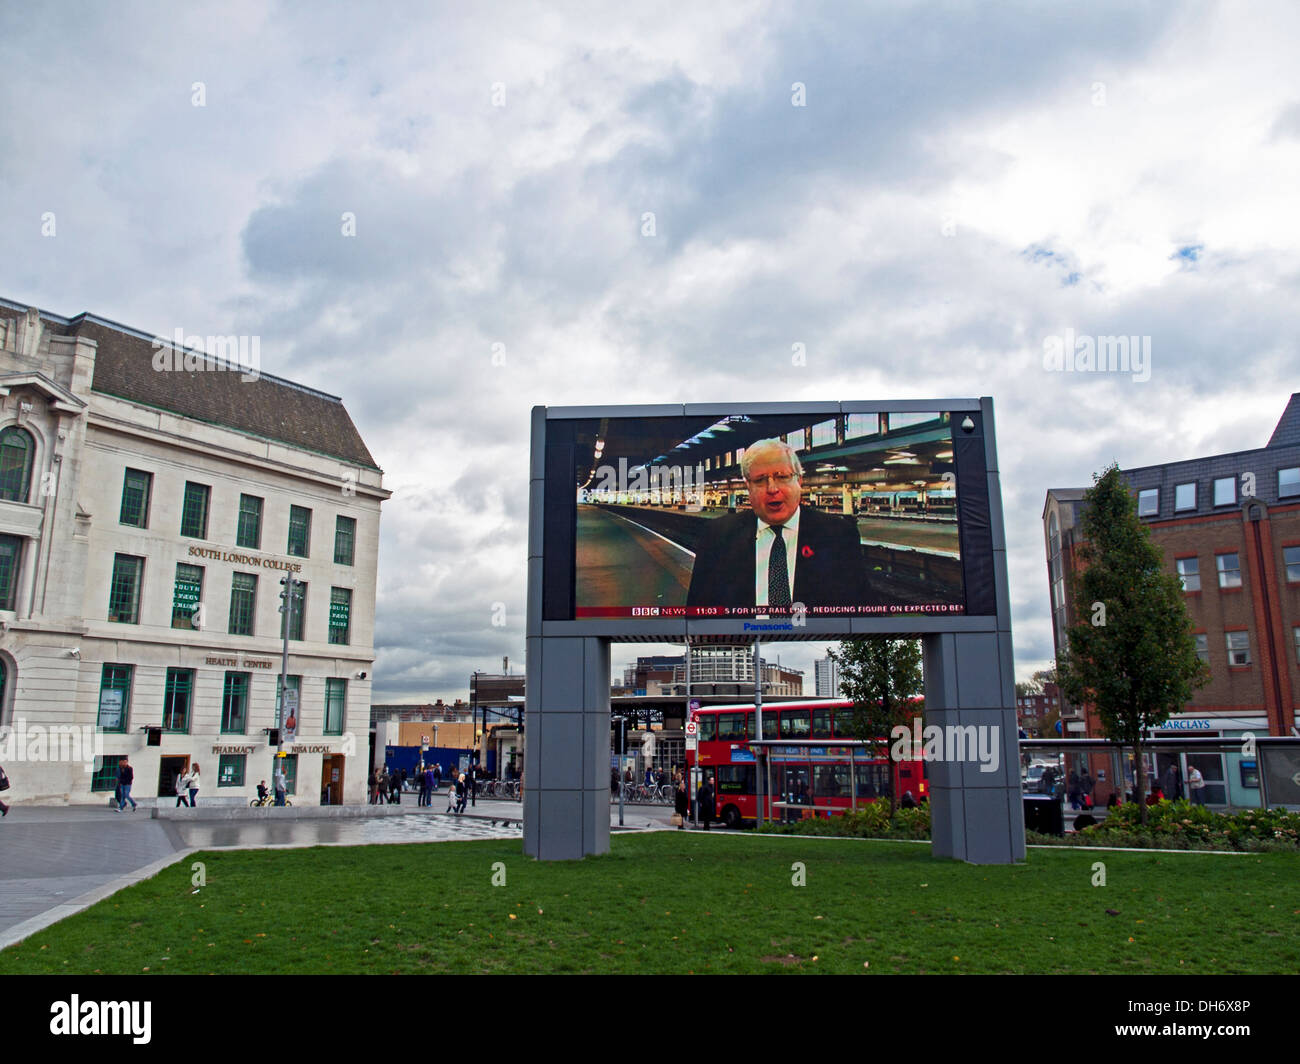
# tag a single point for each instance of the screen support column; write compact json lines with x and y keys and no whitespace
{"x":566,"y":752}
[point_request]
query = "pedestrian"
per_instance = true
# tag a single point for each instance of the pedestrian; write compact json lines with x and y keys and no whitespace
{"x":907,"y":801}
{"x":372,"y":786}
{"x":462,"y":791}
{"x":437,"y":775}
{"x":428,"y":785}
{"x":472,"y":782}
{"x":1196,"y":785}
{"x":4,"y":786}
{"x":451,"y":794}
{"x":281,"y":785}
{"x":1072,"y":790}
{"x":1086,"y":784}
{"x":193,"y":785}
{"x":181,"y":781}
{"x":1173,"y":782}
{"x":394,"y":788}
{"x":682,"y":801}
{"x":125,"y":777}
{"x":704,"y":796}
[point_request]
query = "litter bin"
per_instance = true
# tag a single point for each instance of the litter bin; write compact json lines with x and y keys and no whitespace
{"x":1043,"y":814}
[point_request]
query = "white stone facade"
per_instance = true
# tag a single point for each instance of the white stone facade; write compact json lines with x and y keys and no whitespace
{"x":57,"y":637}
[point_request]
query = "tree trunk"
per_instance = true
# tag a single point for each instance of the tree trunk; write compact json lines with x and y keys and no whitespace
{"x":1140,"y":780}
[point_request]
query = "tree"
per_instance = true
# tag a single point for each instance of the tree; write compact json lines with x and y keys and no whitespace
{"x":882,"y":676}
{"x":1131,"y":652}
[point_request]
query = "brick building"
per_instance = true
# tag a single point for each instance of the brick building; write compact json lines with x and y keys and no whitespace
{"x":1229,"y":526}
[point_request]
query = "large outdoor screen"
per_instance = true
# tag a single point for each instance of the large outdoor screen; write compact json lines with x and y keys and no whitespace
{"x":825,"y":513}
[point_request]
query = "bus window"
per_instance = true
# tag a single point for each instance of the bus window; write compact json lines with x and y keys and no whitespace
{"x":751,"y":726}
{"x":769,"y":724}
{"x":731,"y":726}
{"x":735,"y":779}
{"x":821,"y":724}
{"x":708,"y":727}
{"x":831,"y":781}
{"x":873,"y":781}
{"x":794,"y":724}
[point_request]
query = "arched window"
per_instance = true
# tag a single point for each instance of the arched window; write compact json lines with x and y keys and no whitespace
{"x":17,"y":450}
{"x":4,"y":678}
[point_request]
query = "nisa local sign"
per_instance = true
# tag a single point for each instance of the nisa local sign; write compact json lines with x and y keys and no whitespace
{"x":1195,"y":724}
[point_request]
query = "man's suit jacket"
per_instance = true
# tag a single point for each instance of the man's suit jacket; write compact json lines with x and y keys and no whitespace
{"x":828,"y":568}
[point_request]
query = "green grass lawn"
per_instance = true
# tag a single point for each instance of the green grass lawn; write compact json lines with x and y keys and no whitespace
{"x":675,"y":902}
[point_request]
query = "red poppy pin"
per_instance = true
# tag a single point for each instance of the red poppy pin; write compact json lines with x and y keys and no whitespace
{"x":806,"y":552}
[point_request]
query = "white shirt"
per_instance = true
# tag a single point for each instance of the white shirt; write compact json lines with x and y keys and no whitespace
{"x":763,"y":552}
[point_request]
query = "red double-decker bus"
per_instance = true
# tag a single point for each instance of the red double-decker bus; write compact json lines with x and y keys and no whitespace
{"x":815,"y":768}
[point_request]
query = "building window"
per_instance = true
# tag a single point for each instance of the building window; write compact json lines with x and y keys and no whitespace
{"x":290,"y":765}
{"x":295,"y":612}
{"x":294,"y":683}
{"x":299,"y":530}
{"x":17,"y":450}
{"x":1238,"y":647}
{"x":1185,"y":497}
{"x":194,"y":511}
{"x":114,"y":698}
{"x":234,"y":703}
{"x":249,"y":532}
{"x":1288,"y":482}
{"x":336,"y":698}
{"x":11,"y":559}
{"x":135,"y":499}
{"x":340,"y":615}
{"x":1297,"y":643}
{"x":187,"y":597}
{"x":1225,"y":491}
{"x":1203,"y":648}
{"x":1229,"y":570}
{"x":1291,"y":558}
{"x":230,"y":770}
{"x":124,"y":592}
{"x":176,"y":700}
{"x":105,"y":774}
{"x":345,"y":538}
{"x":1149,"y":502}
{"x":1189,"y":572}
{"x":243,"y":598}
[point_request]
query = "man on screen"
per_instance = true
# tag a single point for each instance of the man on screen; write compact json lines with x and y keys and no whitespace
{"x":781,"y":552}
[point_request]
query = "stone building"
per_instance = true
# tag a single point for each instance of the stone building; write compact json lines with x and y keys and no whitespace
{"x":152,"y":500}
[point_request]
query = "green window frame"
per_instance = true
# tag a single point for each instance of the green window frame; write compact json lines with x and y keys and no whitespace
{"x":177,"y":699}
{"x":299,"y":531}
{"x":187,"y":606}
{"x":124,"y":591}
{"x":194,"y":510}
{"x":294,"y":683}
{"x":11,"y":564}
{"x":336,"y":700}
{"x":290,"y":767}
{"x":243,"y":603}
{"x":294,"y":614}
{"x":345,"y":540}
{"x":249,"y":532}
{"x":17,"y":452}
{"x":104,"y":777}
{"x":114,"y":698}
{"x":137,"y":486}
{"x":234,"y":703}
{"x":230,"y":770}
{"x":340,"y":615}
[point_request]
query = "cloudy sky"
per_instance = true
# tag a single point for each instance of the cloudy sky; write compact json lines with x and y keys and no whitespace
{"x":921,"y":195}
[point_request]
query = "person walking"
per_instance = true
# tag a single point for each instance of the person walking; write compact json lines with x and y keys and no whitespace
{"x":193,"y":784}
{"x":437,"y":775}
{"x":125,"y":777}
{"x":1196,"y":785}
{"x":281,"y":785}
{"x":181,"y":781}
{"x":372,"y":787}
{"x":1173,"y":782}
{"x":682,"y":801}
{"x":462,"y":792}
{"x":705,"y":798}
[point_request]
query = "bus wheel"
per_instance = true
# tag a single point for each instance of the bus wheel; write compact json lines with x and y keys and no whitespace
{"x":731,"y":817}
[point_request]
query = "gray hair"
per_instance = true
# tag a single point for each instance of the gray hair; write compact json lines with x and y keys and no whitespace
{"x":747,"y":461}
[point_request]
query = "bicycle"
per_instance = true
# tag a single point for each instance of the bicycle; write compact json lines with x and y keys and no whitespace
{"x":258,"y":803}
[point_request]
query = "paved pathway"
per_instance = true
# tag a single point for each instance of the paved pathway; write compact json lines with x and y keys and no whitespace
{"x":58,"y":860}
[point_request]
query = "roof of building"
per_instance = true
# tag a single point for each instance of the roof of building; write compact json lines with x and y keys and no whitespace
{"x":266,"y":407}
{"x":1288,"y":426}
